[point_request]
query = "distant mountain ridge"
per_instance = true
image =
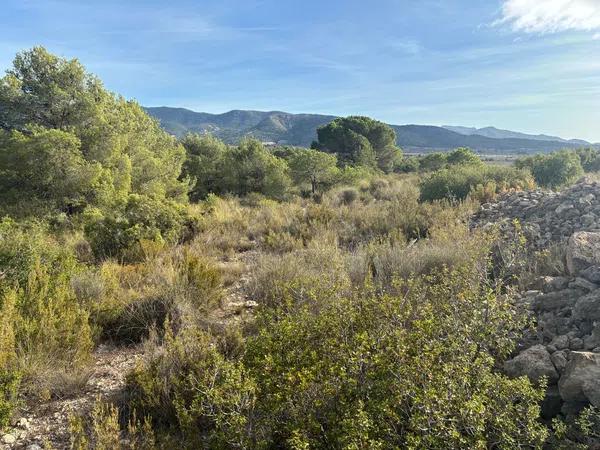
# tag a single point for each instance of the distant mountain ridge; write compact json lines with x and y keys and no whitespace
{"x":300,"y":130}
{"x":497,"y":133}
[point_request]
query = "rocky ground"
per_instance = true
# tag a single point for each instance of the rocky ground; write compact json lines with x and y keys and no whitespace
{"x":46,"y":425}
{"x":549,"y":217}
{"x":565,"y":345}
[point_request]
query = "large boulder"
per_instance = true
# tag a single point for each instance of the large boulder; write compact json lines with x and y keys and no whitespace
{"x":592,"y":274}
{"x":593,"y":341}
{"x":534,"y":363}
{"x":580,"y":382}
{"x":588,"y":307}
{"x":556,"y":300}
{"x":583,"y":251}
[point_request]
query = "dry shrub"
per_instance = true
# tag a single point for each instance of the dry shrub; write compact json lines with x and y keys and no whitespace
{"x":229,"y":227}
{"x":102,"y":430}
{"x":386,"y":263}
{"x":53,"y":338}
{"x":281,"y":242}
{"x":348,"y":196}
{"x":303,"y":276}
{"x":179,"y":284}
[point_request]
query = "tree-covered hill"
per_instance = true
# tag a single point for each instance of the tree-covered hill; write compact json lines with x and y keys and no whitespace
{"x":300,"y":130}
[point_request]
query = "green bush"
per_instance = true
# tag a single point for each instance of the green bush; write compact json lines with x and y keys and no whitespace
{"x":249,"y":167}
{"x":458,"y":181}
{"x":23,"y":245}
{"x":407,"y":164}
{"x":590,"y":159}
{"x":388,"y":372}
{"x":9,"y":386}
{"x":119,"y":234}
{"x":555,"y":170}
{"x":190,"y":385}
{"x":462,"y":155}
{"x":433,"y":161}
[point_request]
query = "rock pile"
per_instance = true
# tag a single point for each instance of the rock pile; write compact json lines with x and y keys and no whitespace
{"x":550,"y":217}
{"x":565,"y":347}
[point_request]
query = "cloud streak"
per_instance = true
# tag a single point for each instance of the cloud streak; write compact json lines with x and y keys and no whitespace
{"x":551,"y":16}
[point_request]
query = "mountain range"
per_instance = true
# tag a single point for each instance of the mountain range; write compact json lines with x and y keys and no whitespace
{"x":300,"y":130}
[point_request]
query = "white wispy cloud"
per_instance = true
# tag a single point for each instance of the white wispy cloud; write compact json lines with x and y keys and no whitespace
{"x":551,"y":16}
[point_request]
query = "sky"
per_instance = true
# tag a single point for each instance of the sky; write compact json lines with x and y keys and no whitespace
{"x":524,"y":65}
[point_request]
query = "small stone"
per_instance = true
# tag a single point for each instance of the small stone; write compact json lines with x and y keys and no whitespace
{"x":23,"y":423}
{"x":576,"y":344}
{"x":582,"y":283}
{"x":559,"y":359}
{"x":9,"y":439}
{"x":561,"y":342}
{"x":593,"y":340}
{"x":33,"y":447}
{"x":563,"y":207}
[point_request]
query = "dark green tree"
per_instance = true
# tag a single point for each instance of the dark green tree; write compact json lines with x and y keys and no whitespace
{"x":463,"y":155}
{"x":433,"y":161}
{"x":313,"y":167}
{"x":69,"y":145}
{"x":250,"y":167}
{"x":137,"y":156}
{"x":359,"y":140}
{"x":204,"y":160}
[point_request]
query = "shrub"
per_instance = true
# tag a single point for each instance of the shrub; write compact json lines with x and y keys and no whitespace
{"x":120,"y":233}
{"x":306,"y":276}
{"x":24,"y":245}
{"x":176,"y":284}
{"x":394,"y":371}
{"x":348,"y":196}
{"x":387,"y":264}
{"x":462,"y":155}
{"x":102,"y":431}
{"x":9,"y":386}
{"x":554,"y":170}
{"x":9,"y":377}
{"x":52,"y":333}
{"x":578,"y":432}
{"x":590,"y":159}
{"x":407,"y":165}
{"x":189,"y":384}
{"x":249,"y":167}
{"x":458,"y":181}
{"x":433,"y":161}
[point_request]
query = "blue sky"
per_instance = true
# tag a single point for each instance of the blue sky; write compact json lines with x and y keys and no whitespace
{"x":526,"y":65}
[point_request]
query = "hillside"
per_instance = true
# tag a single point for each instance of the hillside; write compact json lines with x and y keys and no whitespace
{"x":300,"y":129}
{"x":496,"y":133}
{"x":276,"y":126}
